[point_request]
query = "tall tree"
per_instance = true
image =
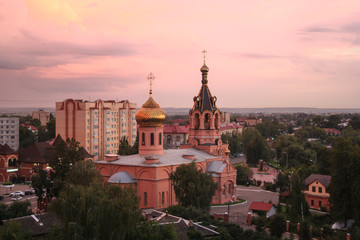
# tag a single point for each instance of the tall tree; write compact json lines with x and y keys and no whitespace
{"x":193,"y":187}
{"x":255,"y":146}
{"x":344,"y":158}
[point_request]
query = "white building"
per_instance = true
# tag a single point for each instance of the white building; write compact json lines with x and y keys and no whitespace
{"x":9,"y":132}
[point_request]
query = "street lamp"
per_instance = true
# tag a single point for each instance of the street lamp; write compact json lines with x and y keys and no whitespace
{"x":287,"y":159}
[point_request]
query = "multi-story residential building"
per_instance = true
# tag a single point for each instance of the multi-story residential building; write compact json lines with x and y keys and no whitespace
{"x":42,"y":115}
{"x":98,"y":126}
{"x":9,"y":132}
{"x":175,"y":135}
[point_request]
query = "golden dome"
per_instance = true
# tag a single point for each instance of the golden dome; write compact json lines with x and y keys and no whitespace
{"x":150,"y":115}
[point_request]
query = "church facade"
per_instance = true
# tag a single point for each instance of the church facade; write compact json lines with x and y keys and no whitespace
{"x":149,"y":171}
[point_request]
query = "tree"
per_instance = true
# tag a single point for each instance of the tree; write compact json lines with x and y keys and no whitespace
{"x":193,"y":187}
{"x":51,"y":127}
{"x":26,"y":137}
{"x":35,"y":122}
{"x":66,"y":155}
{"x":16,"y":209}
{"x":234,"y":139}
{"x":305,"y":231}
{"x":344,"y":179}
{"x":255,"y":146}
{"x":282,"y":182}
{"x":243,"y":174}
{"x":92,"y":211}
{"x":299,"y":207}
{"x":277,"y":225}
{"x":192,"y":234}
{"x":13,"y":231}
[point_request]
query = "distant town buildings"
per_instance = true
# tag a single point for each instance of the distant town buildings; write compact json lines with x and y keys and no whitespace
{"x":98,"y":126}
{"x":42,"y":115}
{"x":225,"y":117}
{"x":249,"y":121}
{"x":9,"y":132}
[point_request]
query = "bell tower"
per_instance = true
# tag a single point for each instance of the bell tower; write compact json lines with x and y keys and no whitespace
{"x":204,"y":115}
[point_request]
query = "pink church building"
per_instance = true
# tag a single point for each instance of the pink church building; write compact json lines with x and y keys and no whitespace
{"x":149,"y":171}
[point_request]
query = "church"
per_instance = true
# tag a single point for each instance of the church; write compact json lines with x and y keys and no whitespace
{"x":149,"y":171}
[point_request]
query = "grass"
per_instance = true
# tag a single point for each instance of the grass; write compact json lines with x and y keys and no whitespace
{"x":229,"y":203}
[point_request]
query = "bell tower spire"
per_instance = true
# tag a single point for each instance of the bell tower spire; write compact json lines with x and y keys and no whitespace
{"x":204,"y":70}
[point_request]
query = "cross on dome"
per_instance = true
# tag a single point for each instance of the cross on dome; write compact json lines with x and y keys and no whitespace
{"x":204,"y":52}
{"x":151,"y":78}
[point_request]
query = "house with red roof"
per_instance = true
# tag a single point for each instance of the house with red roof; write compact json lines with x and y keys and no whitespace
{"x":317,"y":193}
{"x":230,"y":127}
{"x":260,"y":207}
{"x":332,"y":131}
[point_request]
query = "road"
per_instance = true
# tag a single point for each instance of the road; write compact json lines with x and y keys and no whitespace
{"x":238,"y":213}
{"x":17,"y":187}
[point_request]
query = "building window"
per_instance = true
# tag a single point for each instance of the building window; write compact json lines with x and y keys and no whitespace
{"x":162,"y":197}
{"x":229,"y":190}
{"x":313,"y":189}
{"x":152,"y":139}
{"x":320,"y":189}
{"x":143,"y":139}
{"x":160,"y":139}
{"x":320,"y":203}
{"x":312,"y":202}
{"x":145,"y":198}
{"x":95,"y":146}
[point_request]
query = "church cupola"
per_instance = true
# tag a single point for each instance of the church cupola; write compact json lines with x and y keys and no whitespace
{"x":204,"y":115}
{"x":150,"y":119}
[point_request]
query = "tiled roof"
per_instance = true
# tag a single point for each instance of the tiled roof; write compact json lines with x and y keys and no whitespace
{"x":36,"y":153}
{"x":216,"y":167}
{"x":324,"y":179}
{"x":172,"y":128}
{"x":332,"y":130}
{"x":232,"y":125}
{"x":260,"y":206}
{"x":38,"y":225}
{"x":6,"y":150}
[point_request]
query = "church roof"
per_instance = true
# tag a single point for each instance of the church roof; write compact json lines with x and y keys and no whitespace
{"x":204,"y":100}
{"x":6,"y":150}
{"x":168,"y":158}
{"x":121,"y":177}
{"x":216,"y":167}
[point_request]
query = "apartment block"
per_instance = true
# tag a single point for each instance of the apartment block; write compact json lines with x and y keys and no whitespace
{"x":98,"y":125}
{"x":42,"y":115}
{"x":9,"y":132}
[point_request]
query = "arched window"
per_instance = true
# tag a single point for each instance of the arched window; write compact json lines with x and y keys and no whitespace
{"x":217,"y":121}
{"x":160,"y":140}
{"x":10,"y":163}
{"x":152,"y":139}
{"x":207,"y":121}
{"x":143,"y":139}
{"x":14,"y":162}
{"x":145,"y":198}
{"x":162,"y":197}
{"x":197,"y":121}
{"x":229,"y":188}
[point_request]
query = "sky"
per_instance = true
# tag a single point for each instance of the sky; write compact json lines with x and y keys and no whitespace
{"x":277,"y":53}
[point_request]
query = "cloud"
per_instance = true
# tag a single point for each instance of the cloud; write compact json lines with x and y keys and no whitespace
{"x":319,"y":29}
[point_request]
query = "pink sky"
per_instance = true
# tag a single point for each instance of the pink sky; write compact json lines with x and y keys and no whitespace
{"x":260,"y":53}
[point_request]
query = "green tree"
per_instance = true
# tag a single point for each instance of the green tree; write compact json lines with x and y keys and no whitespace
{"x":305,"y":231}
{"x":193,"y":187}
{"x":124,"y":147}
{"x":92,"y":211}
{"x":255,"y":146}
{"x":51,"y":127}
{"x":192,"y":234}
{"x":35,"y":122}
{"x":299,"y":208}
{"x":26,"y":137}
{"x":243,"y":174}
{"x":344,"y":179}
{"x":282,"y":182}
{"x":13,"y":231}
{"x":277,"y":225}
{"x":234,"y":139}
